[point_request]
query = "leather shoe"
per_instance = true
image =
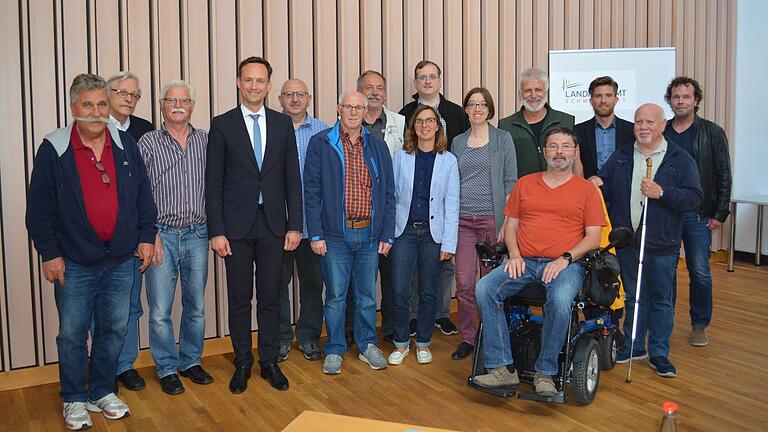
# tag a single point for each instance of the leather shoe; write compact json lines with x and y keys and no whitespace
{"x":462,"y":351}
{"x":197,"y":374}
{"x":274,"y":375}
{"x":171,"y":384}
{"x":239,"y":381}
{"x":131,"y":380}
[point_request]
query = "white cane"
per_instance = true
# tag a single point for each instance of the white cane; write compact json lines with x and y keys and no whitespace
{"x":648,"y":175}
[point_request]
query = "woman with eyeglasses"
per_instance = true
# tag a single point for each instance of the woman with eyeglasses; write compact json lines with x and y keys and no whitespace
{"x":426,"y":225}
{"x":488,"y":172}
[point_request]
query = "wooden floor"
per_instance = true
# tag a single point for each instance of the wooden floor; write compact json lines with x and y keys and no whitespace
{"x":720,"y":387}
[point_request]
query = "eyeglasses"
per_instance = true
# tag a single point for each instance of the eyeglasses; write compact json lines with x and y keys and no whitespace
{"x":126,"y":94}
{"x":563,"y":146}
{"x":102,"y":172}
{"x":173,"y":101}
{"x":296,"y":94}
{"x":350,"y":108}
{"x":476,"y":105}
{"x":429,"y":122}
{"x":431,"y":77}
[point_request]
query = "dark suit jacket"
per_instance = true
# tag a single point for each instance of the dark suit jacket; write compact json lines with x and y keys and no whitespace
{"x":587,"y":148}
{"x":233,"y":180}
{"x":139,"y":127}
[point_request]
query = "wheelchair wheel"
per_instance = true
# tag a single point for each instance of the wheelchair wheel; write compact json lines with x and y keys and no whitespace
{"x":586,"y":374}
{"x":608,"y":349}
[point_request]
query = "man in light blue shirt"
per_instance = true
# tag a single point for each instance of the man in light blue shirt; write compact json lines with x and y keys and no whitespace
{"x":295,"y":98}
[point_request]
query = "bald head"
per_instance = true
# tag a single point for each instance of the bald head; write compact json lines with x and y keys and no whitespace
{"x":649,"y":125}
{"x":294,"y":98}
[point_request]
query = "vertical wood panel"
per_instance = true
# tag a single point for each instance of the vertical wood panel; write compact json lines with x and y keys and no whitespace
{"x":326,"y":94}
{"x":276,"y":46}
{"x":301,"y":42}
{"x":689,"y":36}
{"x":490,"y":67}
{"x":571,"y":36}
{"x":472,"y":47}
{"x":196,"y":57}
{"x":586,"y":24}
{"x":138,"y":61}
{"x":508,"y":66}
{"x":348,"y":39}
{"x":370,"y":26}
{"x":413,"y":43}
{"x":107,"y":43}
{"x":540,"y":35}
{"x":452,"y":66}
{"x":434,"y":20}
{"x":654,"y":23}
{"x":665,"y":24}
{"x":399,"y":75}
{"x":710,"y":67}
{"x":557,"y":26}
{"x":630,"y":39}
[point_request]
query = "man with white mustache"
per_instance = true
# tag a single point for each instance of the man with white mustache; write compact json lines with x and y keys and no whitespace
{"x":73,"y":207}
{"x":124,"y":94}
{"x":175,"y":158}
{"x":529,"y":125}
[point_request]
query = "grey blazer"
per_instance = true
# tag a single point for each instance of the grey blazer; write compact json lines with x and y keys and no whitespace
{"x":503,"y":166}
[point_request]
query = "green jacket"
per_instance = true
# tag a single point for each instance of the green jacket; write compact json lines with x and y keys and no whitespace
{"x":530,"y":158}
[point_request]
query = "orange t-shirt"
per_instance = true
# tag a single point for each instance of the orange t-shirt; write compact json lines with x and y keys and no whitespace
{"x":552,"y":221}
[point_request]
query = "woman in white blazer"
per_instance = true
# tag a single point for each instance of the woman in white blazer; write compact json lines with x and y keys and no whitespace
{"x":426,"y":227}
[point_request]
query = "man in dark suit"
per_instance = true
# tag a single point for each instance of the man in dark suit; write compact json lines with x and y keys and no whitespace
{"x":603,"y":133}
{"x":252,"y":182}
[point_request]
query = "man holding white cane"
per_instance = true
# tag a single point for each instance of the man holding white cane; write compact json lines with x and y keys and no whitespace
{"x":672,"y":189}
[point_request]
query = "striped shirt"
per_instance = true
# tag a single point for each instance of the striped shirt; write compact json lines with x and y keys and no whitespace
{"x":476,"y":198}
{"x":357,"y":186}
{"x":177,"y":175}
{"x":304,"y":132}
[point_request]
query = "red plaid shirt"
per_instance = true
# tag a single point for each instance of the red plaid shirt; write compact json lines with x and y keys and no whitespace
{"x":357,"y":186}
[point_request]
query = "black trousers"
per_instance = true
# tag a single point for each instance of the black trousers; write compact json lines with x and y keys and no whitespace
{"x":260,"y":253}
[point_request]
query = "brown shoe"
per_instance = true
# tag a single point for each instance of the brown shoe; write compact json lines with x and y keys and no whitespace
{"x":498,"y":378}
{"x":544,"y":385}
{"x":698,"y":337}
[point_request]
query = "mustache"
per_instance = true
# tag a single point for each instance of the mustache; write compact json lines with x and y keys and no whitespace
{"x":178,"y":110}
{"x":374,"y":97}
{"x":96,"y":119}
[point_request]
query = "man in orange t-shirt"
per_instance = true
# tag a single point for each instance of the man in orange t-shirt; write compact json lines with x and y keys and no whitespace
{"x":554,"y":219}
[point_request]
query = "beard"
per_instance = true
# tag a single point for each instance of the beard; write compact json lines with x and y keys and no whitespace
{"x":529,"y":107}
{"x":560,"y":164}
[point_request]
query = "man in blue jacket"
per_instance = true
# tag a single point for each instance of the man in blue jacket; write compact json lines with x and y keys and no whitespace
{"x":672,"y":189}
{"x":350,"y":210}
{"x":89,"y":210}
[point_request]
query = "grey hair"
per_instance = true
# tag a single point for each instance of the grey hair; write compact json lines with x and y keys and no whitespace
{"x":534,"y":73}
{"x":180,"y":83}
{"x":85,"y":82}
{"x":120,"y":76}
{"x":348,"y":92}
{"x":365,"y":74}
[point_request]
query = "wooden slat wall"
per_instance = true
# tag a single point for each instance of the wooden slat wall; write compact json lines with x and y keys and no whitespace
{"x":327,"y":43}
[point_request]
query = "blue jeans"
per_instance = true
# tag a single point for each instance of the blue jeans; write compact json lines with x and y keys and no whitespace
{"x":415,"y":248}
{"x":444,"y":291}
{"x":88,"y":295}
{"x":131,"y":347}
{"x":656,"y":316}
{"x":497,"y":285}
{"x":185,"y":254}
{"x":350,"y":262}
{"x":697,"y":240}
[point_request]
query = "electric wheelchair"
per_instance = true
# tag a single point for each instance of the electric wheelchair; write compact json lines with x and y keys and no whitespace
{"x":592,"y":340}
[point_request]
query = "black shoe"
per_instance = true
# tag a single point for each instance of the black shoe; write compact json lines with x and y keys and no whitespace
{"x":274,"y":375}
{"x":131,"y":380}
{"x":350,"y":338}
{"x":462,"y":351}
{"x":197,"y":374}
{"x":171,"y":384}
{"x":446,"y":326}
{"x":412,"y":328}
{"x":239,"y":381}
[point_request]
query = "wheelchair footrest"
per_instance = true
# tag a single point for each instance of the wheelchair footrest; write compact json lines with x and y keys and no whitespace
{"x":504,"y":392}
{"x":557,"y":398}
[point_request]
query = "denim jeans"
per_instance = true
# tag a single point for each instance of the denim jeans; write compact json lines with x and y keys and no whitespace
{"x":415,"y":248}
{"x":350,"y":263}
{"x":185,"y":255}
{"x":697,"y":240}
{"x":131,"y":347}
{"x":656,"y":316}
{"x":495,"y":287}
{"x":310,"y":322}
{"x":97,"y":295}
{"x":444,"y":291}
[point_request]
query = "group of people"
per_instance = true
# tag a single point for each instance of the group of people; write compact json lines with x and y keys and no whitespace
{"x":399,"y":195}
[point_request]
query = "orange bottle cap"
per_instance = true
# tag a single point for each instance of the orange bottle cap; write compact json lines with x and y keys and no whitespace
{"x":669,"y":407}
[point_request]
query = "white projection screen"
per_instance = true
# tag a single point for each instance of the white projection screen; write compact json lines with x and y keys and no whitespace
{"x":642,"y":75}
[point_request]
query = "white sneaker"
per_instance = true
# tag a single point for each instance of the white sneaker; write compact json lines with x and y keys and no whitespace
{"x":76,"y":417}
{"x":110,"y":405}
{"x":423,"y":356}
{"x":397,"y":357}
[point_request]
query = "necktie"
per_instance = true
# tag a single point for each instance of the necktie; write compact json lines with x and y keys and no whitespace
{"x":257,"y":146}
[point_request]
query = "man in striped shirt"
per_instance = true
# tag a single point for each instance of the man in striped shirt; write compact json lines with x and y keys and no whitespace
{"x":175,"y":158}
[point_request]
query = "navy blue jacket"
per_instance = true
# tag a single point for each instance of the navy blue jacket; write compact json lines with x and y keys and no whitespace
{"x":679,"y":179}
{"x":56,"y":218}
{"x":324,"y":203}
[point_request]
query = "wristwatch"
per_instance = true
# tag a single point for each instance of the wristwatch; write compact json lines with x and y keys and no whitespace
{"x":661,"y":193}
{"x":568,"y":257}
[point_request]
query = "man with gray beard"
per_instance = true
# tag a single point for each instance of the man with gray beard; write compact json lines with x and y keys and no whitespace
{"x":529,"y":125}
{"x":73,"y":207}
{"x":555,"y":217}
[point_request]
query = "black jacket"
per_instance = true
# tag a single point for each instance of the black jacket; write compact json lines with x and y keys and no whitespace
{"x":710,"y":147}
{"x":456,"y":119}
{"x":139,"y":127}
{"x":585,"y":132}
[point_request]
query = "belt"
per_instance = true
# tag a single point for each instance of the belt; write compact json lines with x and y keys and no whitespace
{"x":358,"y":223}
{"x":420,"y":224}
